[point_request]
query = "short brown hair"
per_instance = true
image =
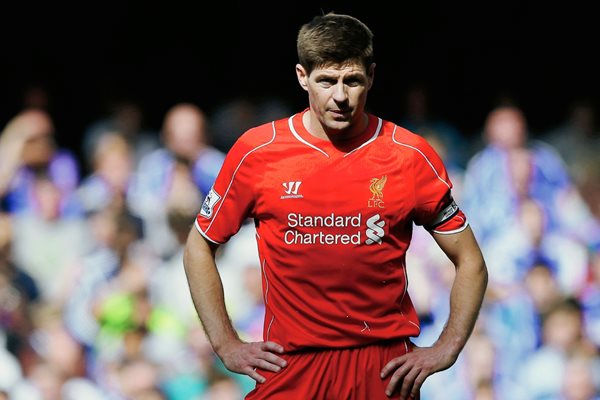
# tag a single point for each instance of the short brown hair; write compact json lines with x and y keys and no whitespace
{"x":334,"y":39}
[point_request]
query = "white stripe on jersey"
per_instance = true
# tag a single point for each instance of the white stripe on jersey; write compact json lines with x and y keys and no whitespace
{"x":204,"y":234}
{"x":266,"y":282}
{"x":462,"y":228}
{"x":235,"y":172}
{"x":379,"y":125}
{"x":420,"y":152}
{"x":297,"y":136}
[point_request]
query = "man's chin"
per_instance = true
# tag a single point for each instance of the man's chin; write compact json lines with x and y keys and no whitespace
{"x":338,"y":125}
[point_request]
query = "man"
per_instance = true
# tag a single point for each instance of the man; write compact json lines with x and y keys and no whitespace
{"x":334,"y":193}
{"x":29,"y":154}
{"x":186,"y":160}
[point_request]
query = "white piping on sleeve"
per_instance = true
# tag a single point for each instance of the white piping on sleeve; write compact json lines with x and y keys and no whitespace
{"x":235,"y":172}
{"x":422,"y":154}
{"x":462,"y":228}
{"x":197,"y":225}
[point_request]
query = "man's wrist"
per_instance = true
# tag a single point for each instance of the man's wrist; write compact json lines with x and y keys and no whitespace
{"x":450,"y":346}
{"x":224,"y":342}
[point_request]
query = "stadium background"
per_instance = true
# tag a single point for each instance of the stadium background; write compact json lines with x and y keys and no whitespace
{"x":468,"y":54}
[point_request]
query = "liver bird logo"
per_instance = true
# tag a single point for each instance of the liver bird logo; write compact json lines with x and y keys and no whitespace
{"x":376,"y":187}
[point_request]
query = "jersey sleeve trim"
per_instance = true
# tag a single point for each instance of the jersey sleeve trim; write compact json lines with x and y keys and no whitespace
{"x":445,"y":215}
{"x":422,"y":154}
{"x":235,"y":172}
{"x":204,"y":234}
{"x":462,"y":228}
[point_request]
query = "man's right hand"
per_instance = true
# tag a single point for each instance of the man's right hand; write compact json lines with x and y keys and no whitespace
{"x":246,"y":358}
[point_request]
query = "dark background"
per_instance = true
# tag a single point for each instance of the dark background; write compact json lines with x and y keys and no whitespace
{"x":468,"y":55}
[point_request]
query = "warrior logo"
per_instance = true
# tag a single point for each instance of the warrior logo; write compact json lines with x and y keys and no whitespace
{"x":376,"y":188}
{"x":375,"y":230}
{"x":291,"y":190}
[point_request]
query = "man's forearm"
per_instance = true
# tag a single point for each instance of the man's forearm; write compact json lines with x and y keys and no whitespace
{"x":466,"y":298}
{"x":10,"y":159}
{"x":206,"y":289}
{"x":468,"y":289}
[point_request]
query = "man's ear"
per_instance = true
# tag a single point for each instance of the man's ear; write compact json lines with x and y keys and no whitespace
{"x":302,"y":76}
{"x":371,"y":74}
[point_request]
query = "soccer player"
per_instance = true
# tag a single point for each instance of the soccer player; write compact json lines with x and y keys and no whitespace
{"x":334,"y":192}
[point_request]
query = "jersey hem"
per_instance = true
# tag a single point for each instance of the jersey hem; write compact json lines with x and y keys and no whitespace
{"x":204,"y":234}
{"x":453,"y":231}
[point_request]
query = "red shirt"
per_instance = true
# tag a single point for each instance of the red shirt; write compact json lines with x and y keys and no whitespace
{"x":333,"y":226}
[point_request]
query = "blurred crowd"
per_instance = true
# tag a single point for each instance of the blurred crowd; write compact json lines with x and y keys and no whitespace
{"x":94,"y":302}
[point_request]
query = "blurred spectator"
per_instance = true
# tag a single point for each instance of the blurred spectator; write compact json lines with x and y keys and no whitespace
{"x":105,"y":282}
{"x":186,"y":164}
{"x":11,"y":369}
{"x":59,"y":361}
{"x":511,"y":168}
{"x":223,"y":387}
{"x":250,"y":322}
{"x":590,"y":301}
{"x":577,"y":139}
{"x":19,"y":278}
{"x":168,"y":287}
{"x":81,"y":388}
{"x":18,"y":291}
{"x":57,"y":240}
{"x":544,"y":292}
{"x":581,"y":379}
{"x":526,"y":240}
{"x":133,"y":379}
{"x":125,"y":117}
{"x":563,"y":337}
{"x":28,"y":153}
{"x":474,"y":370}
{"x":112,"y":172}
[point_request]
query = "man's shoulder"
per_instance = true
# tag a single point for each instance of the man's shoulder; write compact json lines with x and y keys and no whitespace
{"x":262,"y":134}
{"x":405,"y":136}
{"x":257,"y":138}
{"x":405,"y":139}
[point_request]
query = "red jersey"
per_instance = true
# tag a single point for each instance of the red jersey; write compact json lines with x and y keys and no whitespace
{"x":333,"y":226}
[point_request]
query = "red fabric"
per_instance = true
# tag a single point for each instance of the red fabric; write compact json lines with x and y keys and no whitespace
{"x":339,"y":374}
{"x":333,"y":226}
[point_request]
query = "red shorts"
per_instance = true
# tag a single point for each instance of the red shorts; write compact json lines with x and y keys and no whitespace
{"x":332,"y":374}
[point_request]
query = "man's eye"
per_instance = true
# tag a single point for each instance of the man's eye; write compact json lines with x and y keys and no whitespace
{"x":327,"y":82}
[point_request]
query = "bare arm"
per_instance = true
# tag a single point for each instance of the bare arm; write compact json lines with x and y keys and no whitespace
{"x":12,"y":142}
{"x":466,"y":297}
{"x":23,"y":127}
{"x":468,"y":289}
{"x":206,"y":289}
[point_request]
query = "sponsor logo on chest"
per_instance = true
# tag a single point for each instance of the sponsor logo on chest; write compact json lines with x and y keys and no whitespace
{"x":291,"y":190}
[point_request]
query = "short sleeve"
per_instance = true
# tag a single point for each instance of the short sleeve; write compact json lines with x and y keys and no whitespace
{"x":435,"y":208}
{"x":230,"y":201}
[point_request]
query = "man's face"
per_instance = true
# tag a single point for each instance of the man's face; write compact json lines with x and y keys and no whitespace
{"x":337,"y":93}
{"x":184,"y":133}
{"x":38,"y":150}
